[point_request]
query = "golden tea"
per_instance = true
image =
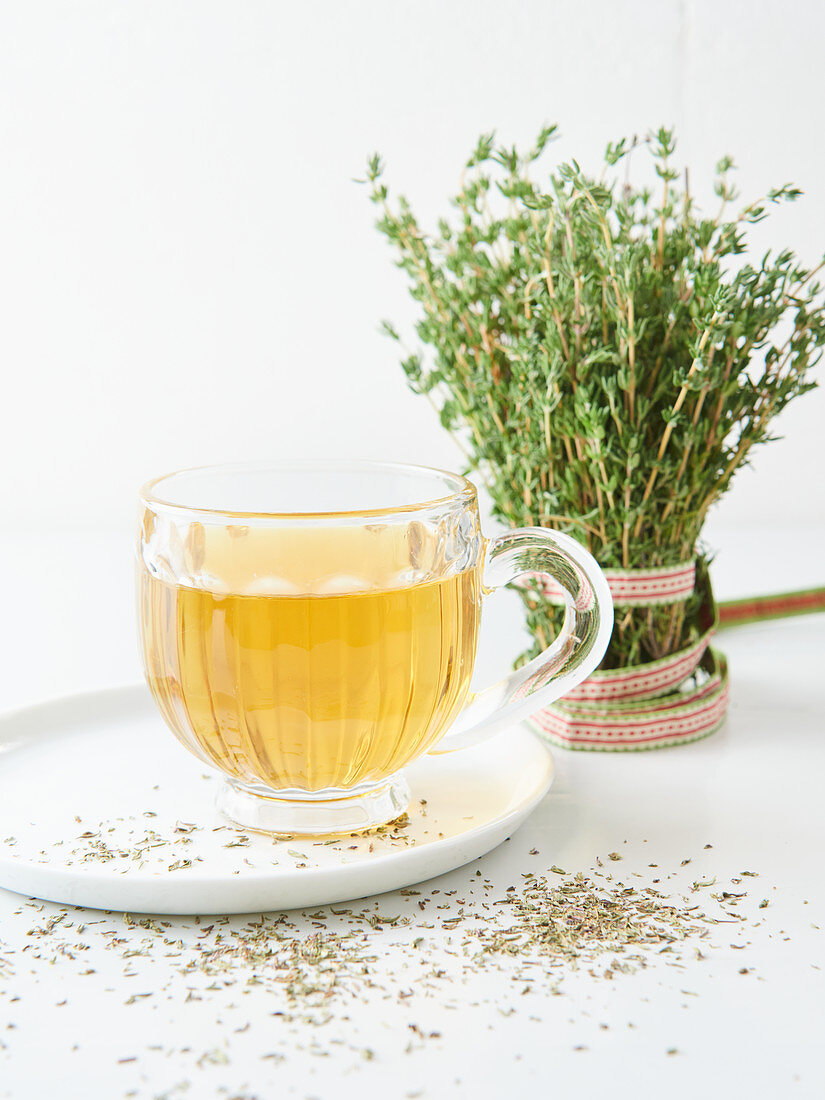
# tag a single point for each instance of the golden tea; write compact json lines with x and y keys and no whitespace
{"x":310,"y":691}
{"x":310,"y":628}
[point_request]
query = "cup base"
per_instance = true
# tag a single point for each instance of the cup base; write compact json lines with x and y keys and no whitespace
{"x":293,"y":813}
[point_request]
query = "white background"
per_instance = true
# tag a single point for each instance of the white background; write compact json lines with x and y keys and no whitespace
{"x":189,"y":274}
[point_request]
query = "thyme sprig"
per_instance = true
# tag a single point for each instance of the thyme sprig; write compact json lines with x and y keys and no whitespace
{"x":603,"y":352}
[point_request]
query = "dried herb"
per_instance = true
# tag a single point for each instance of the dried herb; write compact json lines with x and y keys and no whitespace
{"x":292,"y":981}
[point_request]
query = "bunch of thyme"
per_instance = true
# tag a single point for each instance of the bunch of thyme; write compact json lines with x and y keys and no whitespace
{"x":602,"y":353}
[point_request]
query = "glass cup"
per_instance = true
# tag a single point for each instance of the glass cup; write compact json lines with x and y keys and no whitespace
{"x":309,"y":630}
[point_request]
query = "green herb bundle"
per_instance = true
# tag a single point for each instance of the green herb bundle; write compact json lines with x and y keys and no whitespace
{"x":603,"y":355}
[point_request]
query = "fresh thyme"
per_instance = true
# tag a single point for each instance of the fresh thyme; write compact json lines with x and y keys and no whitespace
{"x":603,"y":353}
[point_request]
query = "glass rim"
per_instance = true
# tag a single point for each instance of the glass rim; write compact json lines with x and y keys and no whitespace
{"x":464,"y":488}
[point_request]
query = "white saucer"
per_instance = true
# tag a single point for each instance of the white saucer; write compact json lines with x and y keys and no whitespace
{"x":101,"y":807}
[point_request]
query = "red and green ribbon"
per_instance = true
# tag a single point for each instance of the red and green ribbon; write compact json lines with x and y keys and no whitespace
{"x":779,"y":606}
{"x":671,"y":701}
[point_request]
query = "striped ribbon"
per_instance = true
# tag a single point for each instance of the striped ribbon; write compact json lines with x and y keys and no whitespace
{"x":781,"y":605}
{"x":680,"y":716}
{"x":679,"y":698}
{"x":630,"y":587}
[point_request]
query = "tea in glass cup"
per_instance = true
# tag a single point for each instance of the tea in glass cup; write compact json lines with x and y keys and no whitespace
{"x":310,"y":630}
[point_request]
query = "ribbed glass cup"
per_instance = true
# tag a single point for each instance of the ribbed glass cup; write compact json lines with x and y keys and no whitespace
{"x":309,"y":630}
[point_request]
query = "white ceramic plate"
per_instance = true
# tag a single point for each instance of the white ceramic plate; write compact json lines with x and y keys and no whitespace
{"x":100,"y":807}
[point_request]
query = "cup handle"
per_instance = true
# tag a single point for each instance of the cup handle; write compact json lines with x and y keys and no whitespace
{"x":572,"y":656}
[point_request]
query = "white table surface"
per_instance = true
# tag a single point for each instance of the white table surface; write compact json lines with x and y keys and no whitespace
{"x":753,"y":791}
